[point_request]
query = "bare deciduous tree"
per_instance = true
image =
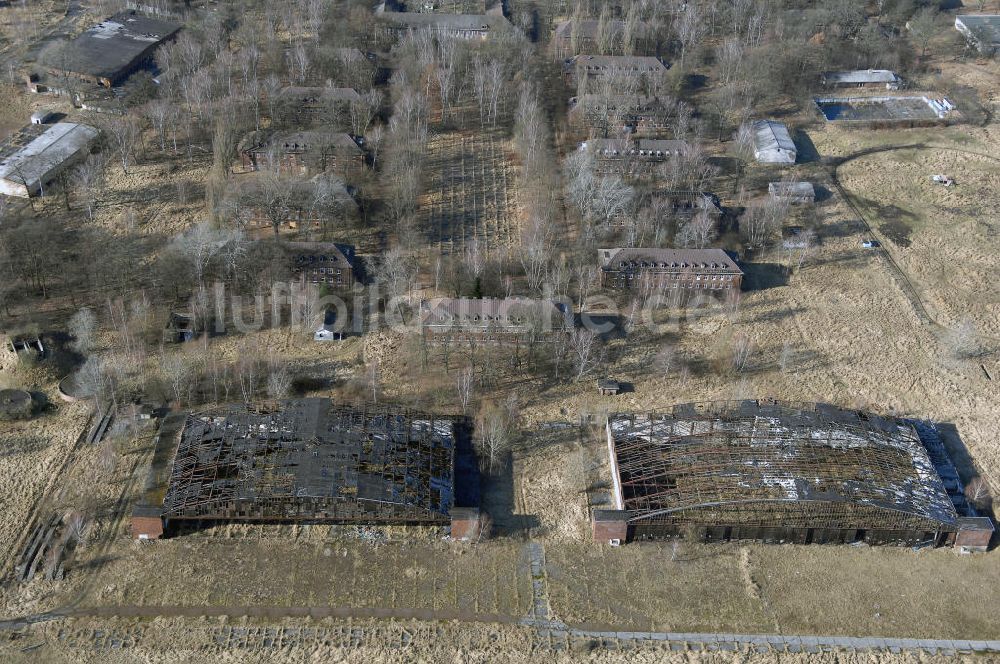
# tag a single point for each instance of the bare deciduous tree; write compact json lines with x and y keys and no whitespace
{"x":124,"y":134}
{"x":279,"y":380}
{"x":107,"y":457}
{"x":698,"y":231}
{"x":464,"y":384}
{"x":977,"y":491}
{"x":177,"y":371}
{"x":922,"y":28}
{"x":664,"y":360}
{"x":87,"y":179}
{"x":586,"y":351}
{"x":785,"y":357}
{"x":690,"y":30}
{"x":742,"y":351}
{"x":83,"y":326}
{"x":495,"y":427}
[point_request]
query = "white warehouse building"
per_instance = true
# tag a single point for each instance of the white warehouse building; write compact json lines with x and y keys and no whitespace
{"x":37,"y":154}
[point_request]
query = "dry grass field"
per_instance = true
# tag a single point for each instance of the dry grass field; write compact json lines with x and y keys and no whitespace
{"x":835,"y":328}
{"x":31,"y":452}
{"x":201,"y":640}
{"x":319,"y":567}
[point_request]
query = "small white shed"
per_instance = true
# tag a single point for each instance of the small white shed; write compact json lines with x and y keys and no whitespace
{"x":326,"y":332}
{"x":42,"y":116}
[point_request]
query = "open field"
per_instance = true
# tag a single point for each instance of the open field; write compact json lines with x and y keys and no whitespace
{"x":314,"y":566}
{"x":940,"y":236}
{"x":471,"y":192}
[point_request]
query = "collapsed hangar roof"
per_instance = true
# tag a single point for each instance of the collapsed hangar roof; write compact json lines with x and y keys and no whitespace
{"x":764,"y":452}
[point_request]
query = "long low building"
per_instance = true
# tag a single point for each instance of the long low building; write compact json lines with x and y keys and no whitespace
{"x":463,"y":26}
{"x":307,"y":461}
{"x":512,"y":320}
{"x":38,"y":154}
{"x":861,"y":78}
{"x":784,"y":473}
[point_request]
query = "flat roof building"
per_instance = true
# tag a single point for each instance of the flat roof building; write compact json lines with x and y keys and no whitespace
{"x":37,"y":154}
{"x":115,"y":48}
{"x":778,"y":472}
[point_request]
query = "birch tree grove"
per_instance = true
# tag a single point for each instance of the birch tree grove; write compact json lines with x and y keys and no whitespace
{"x":124,"y":134}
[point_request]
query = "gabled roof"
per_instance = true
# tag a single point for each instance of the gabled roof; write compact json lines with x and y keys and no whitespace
{"x":623,"y":146}
{"x":587,"y":28}
{"x":861,"y":76}
{"x":771,"y":135}
{"x":697,"y":261}
{"x":314,"y":94}
{"x":619,"y":62}
{"x":513,"y":314}
{"x":320,"y":254}
{"x":661,"y":145}
{"x":632,"y":103}
{"x":458,"y":22}
{"x":791,"y":188}
{"x":984,"y":28}
{"x":252,"y":185}
{"x":30,"y":155}
{"x":304,"y":140}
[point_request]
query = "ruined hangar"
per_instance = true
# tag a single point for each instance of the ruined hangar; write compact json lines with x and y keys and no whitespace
{"x":114,"y":49}
{"x":302,"y":461}
{"x":783,"y":472}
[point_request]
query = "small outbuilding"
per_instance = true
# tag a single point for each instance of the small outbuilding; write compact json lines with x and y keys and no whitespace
{"x":792,"y":192}
{"x":328,"y":331}
{"x":772,"y":143}
{"x":179,"y":328}
{"x":43,"y":116}
{"x":608,"y":387}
